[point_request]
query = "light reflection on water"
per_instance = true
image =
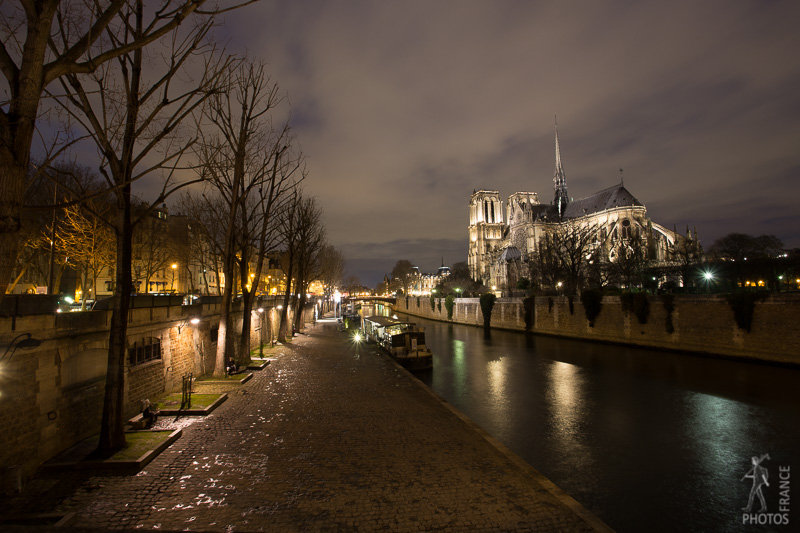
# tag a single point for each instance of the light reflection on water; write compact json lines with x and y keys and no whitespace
{"x":648,"y":440}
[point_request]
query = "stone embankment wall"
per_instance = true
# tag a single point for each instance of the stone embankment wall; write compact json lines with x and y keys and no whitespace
{"x":51,"y":396}
{"x":703,"y":324}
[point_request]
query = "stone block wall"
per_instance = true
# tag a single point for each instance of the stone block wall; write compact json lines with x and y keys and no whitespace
{"x":51,"y":396}
{"x":702,"y":323}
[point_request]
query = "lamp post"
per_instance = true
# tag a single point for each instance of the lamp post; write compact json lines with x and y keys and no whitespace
{"x":174,"y":268}
{"x":261,"y":344}
{"x":709,"y":277}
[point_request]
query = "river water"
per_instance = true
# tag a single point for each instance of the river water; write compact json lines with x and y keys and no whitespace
{"x":647,"y":440}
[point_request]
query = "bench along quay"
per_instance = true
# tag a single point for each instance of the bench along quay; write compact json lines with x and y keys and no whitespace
{"x":331,"y":436}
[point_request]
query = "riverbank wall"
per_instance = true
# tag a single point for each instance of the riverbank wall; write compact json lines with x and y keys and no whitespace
{"x":51,"y":395}
{"x":697,"y":323}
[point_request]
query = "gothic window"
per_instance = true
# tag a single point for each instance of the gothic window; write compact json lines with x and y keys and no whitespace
{"x":626,"y":229}
{"x":519,"y":240}
{"x":492,"y":211}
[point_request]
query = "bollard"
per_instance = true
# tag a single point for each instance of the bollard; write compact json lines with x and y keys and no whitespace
{"x":186,"y":391}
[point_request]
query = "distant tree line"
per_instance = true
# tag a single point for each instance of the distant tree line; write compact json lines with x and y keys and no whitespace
{"x":567,"y":263}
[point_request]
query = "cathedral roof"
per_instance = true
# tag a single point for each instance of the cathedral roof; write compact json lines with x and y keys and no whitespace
{"x":615,"y":196}
{"x":511,"y":253}
{"x":543,"y":212}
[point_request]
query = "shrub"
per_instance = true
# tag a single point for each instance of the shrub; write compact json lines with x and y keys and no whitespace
{"x":744,"y":306}
{"x":487,"y":304}
{"x":449,"y":303}
{"x":592,"y":300}
{"x":439,"y":305}
{"x":433,"y":303}
{"x":549,"y":304}
{"x":626,"y":301}
{"x":571,"y":304}
{"x":641,"y":306}
{"x":418,"y":299}
{"x":529,"y":304}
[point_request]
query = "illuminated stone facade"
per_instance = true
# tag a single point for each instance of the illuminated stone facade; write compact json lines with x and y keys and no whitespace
{"x":502,"y":248}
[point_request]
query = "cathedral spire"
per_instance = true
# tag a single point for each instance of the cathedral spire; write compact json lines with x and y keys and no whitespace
{"x":560,"y":180}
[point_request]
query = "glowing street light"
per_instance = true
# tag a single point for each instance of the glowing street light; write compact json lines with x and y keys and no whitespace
{"x":174,"y":268}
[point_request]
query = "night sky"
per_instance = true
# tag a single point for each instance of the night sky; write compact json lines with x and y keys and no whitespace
{"x":403,"y":108}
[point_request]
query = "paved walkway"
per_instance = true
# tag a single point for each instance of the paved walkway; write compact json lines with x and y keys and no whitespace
{"x":326,"y":438}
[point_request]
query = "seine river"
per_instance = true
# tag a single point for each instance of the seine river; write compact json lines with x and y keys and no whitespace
{"x":647,"y":440}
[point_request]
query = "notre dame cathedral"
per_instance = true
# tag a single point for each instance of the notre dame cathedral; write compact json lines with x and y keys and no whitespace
{"x":613,"y":223}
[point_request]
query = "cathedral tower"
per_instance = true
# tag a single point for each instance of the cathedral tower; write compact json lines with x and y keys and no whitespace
{"x":486,"y":226}
{"x":560,"y":182}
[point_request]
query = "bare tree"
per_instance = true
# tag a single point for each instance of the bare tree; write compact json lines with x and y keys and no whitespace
{"x":745,"y":256}
{"x":403,"y":270}
{"x":331,"y":267}
{"x":310,"y":241}
{"x":260,"y":233}
{"x":150,"y":250}
{"x":563,"y":255}
{"x":249,"y":165}
{"x":133,"y":115}
{"x":687,"y":253}
{"x":288,"y":224}
{"x":42,"y":42}
{"x":352,"y":284}
{"x":206,"y":235}
{"x":89,"y":243}
{"x":631,"y":259}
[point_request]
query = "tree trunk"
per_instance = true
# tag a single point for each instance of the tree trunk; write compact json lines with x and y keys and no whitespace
{"x":301,"y":305}
{"x":112,"y":427}
{"x":282,"y":329}
{"x":244,"y":338}
{"x":16,"y":135}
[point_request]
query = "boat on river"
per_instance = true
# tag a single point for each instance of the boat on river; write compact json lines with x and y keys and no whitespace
{"x":403,"y":340}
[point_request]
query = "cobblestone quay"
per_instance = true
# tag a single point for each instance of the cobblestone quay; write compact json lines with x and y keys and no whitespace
{"x":329,"y":437}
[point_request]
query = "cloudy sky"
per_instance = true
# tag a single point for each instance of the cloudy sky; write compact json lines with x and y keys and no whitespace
{"x":403,"y":108}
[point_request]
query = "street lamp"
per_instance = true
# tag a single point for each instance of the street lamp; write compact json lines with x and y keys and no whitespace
{"x":28,"y":342}
{"x":193,"y":321}
{"x":174,"y":268}
{"x":709,"y":277}
{"x":261,"y":337}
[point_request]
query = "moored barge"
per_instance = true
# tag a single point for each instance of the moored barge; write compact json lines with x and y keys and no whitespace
{"x":404,"y":341}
